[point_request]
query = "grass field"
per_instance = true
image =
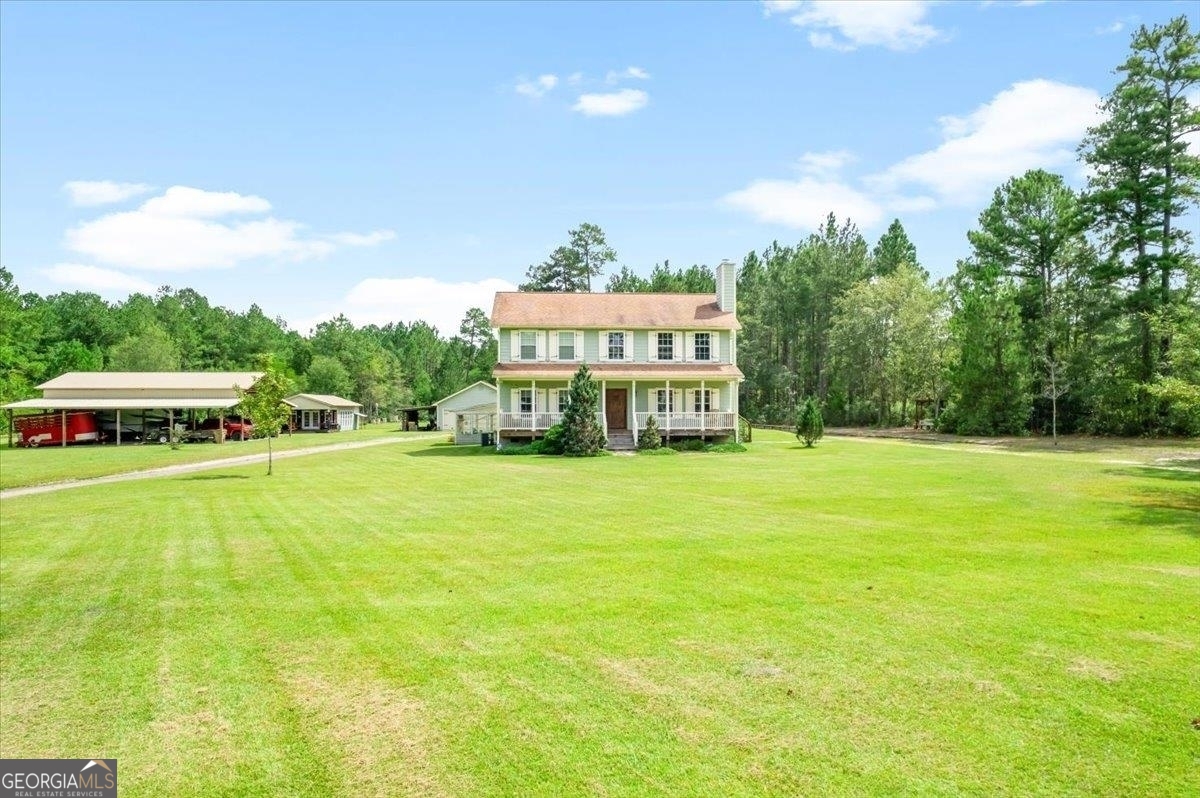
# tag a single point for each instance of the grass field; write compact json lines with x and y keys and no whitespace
{"x":22,"y":467}
{"x":865,"y":617}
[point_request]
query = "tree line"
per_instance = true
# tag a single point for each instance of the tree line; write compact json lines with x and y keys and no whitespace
{"x":382,"y":367}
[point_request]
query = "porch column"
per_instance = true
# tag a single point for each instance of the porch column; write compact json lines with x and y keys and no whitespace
{"x":64,"y":428}
{"x":670,"y":406}
{"x":633,"y":401}
{"x":533,"y":420}
{"x":118,"y":426}
{"x":604,"y":405}
{"x":703,"y":402}
{"x":496,"y":427}
{"x":737,"y":428}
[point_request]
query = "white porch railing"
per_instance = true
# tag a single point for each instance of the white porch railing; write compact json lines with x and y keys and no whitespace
{"x":690,"y":422}
{"x":534,"y":421}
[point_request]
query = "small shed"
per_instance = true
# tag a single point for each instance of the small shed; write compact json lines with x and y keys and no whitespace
{"x":318,"y":412}
{"x":469,"y":413}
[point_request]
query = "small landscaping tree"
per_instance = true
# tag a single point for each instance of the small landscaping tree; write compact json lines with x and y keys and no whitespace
{"x":582,"y":436}
{"x":650,"y":439}
{"x":263,"y":403}
{"x":809,"y":425}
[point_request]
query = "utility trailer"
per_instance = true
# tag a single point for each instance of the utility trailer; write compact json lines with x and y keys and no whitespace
{"x":47,"y":429}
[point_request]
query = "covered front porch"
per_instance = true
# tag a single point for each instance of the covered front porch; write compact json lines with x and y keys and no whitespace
{"x":681,"y":408}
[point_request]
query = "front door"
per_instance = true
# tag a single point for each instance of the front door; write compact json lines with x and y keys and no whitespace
{"x":615,"y":408}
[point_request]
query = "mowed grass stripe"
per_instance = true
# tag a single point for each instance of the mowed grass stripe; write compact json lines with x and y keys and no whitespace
{"x":858,"y":618}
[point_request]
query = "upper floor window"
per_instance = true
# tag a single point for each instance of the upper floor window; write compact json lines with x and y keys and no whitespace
{"x":566,"y":345}
{"x":703,"y":346}
{"x":666,"y":346}
{"x":528,"y":345}
{"x":616,"y":346}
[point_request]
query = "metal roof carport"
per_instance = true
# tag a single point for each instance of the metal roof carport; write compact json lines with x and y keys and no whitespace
{"x":152,"y":390}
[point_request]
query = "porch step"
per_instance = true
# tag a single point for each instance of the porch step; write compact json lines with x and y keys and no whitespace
{"x":620,"y":441}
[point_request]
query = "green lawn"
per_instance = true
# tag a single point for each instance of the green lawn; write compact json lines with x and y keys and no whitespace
{"x":865,"y":617}
{"x":21,"y":467}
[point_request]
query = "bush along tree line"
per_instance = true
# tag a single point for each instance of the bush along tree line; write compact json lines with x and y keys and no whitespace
{"x":1076,"y":311}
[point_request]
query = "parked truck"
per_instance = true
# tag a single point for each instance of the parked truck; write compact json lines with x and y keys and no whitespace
{"x":46,"y":429}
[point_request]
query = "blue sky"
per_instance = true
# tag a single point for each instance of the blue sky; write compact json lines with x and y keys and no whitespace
{"x":403,"y":161}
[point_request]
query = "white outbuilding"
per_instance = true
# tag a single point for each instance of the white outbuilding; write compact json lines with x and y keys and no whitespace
{"x":318,"y":412}
{"x":469,"y":413}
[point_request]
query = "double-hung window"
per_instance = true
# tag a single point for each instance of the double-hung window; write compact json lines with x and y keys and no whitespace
{"x":525,"y":400}
{"x":528,"y":345}
{"x":564,"y":399}
{"x":702,"y":346}
{"x":664,"y":400}
{"x":703,"y":402}
{"x":566,"y":345}
{"x":666,"y":346}
{"x":616,"y":346}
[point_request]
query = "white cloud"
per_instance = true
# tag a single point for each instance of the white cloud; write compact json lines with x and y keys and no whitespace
{"x":92,"y":278}
{"x":102,"y":192}
{"x":1032,"y":124}
{"x":1192,"y":140}
{"x":1115,"y":27}
{"x":379,"y":300}
{"x":629,"y":73}
{"x":835,"y":25}
{"x":538,"y":87}
{"x":779,"y":6}
{"x":618,"y":103}
{"x":185,"y":202}
{"x":181,"y":230}
{"x":363,"y":240}
{"x":574,"y":78}
{"x":804,"y":203}
{"x":824,"y":164}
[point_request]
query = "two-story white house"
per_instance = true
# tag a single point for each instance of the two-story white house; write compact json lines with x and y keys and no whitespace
{"x":672,"y":356}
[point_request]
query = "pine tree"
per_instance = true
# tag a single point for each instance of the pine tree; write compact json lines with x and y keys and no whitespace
{"x":650,"y":439}
{"x":810,"y":427}
{"x":893,"y":250}
{"x":583,"y":436}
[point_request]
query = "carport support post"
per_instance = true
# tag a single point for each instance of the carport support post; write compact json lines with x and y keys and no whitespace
{"x":64,"y":427}
{"x":170,"y":425}
{"x":118,"y":426}
{"x":10,"y":428}
{"x":221,"y":426}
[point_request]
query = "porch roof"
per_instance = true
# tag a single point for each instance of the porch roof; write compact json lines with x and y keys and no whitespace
{"x":619,"y":371}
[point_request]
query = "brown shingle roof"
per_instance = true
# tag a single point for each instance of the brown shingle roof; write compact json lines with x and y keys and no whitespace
{"x":618,"y":371}
{"x":638,"y":311}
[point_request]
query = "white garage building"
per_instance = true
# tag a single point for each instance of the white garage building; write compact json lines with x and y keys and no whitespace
{"x":469,"y":413}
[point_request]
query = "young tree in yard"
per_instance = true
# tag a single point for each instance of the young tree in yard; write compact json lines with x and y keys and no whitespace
{"x":810,"y":427}
{"x":583,"y":436}
{"x":650,"y":439}
{"x":263,"y":403}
